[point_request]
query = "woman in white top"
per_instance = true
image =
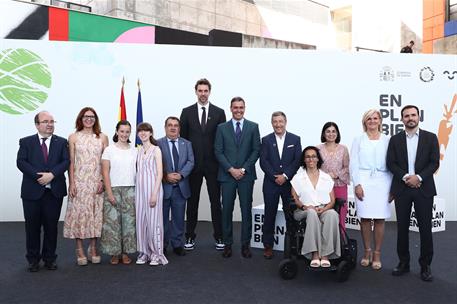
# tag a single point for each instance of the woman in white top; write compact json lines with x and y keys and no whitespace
{"x":119,"y":170}
{"x":312,"y":190}
{"x":371,"y":180}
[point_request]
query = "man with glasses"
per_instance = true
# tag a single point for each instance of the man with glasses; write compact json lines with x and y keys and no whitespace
{"x":43,"y":159}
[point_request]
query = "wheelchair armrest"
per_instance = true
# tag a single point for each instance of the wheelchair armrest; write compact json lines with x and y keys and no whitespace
{"x":292,"y":206}
{"x":339,"y":203}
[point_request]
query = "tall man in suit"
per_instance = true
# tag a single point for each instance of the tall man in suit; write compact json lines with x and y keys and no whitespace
{"x":237,"y":146}
{"x":178,"y":161}
{"x":198,"y":124}
{"x":43,"y":159}
{"x":413,"y":157}
{"x":279,"y":159}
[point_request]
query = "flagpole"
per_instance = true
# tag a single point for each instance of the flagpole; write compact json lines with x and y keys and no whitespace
{"x":139,"y":112}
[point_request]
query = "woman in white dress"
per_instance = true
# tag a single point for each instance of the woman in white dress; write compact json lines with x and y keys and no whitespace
{"x":371,"y":180}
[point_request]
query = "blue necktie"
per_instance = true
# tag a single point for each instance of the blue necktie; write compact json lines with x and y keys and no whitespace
{"x":238,"y":133}
{"x":174,"y":151}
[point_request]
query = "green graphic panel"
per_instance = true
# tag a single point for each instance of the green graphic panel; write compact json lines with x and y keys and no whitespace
{"x":25,"y":80}
{"x":87,"y":27}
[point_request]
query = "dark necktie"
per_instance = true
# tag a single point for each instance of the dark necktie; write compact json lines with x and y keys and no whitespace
{"x":174,"y":151}
{"x":44,"y":149}
{"x":238,"y":132}
{"x":203,"y":121}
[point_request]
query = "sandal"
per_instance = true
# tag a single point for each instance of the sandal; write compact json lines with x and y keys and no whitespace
{"x":315,"y":263}
{"x":81,"y":259}
{"x":366,"y":260}
{"x":376,"y":264}
{"x":125,"y":259}
{"x":114,"y":260}
{"x":93,"y":258}
{"x":325,"y":263}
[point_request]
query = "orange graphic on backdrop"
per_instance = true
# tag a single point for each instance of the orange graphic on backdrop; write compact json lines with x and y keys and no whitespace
{"x":445,"y":128}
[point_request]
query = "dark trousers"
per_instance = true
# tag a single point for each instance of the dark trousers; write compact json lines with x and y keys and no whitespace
{"x":37,"y":213}
{"x":229,"y":190}
{"x":423,"y":208}
{"x":174,"y":229}
{"x":214,"y":193}
{"x":271,"y":200}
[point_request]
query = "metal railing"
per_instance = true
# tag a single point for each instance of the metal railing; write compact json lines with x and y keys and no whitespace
{"x":71,"y":5}
{"x":359,"y":48}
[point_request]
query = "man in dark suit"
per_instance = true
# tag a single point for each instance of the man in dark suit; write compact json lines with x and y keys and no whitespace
{"x":237,"y":146}
{"x":198,"y":124}
{"x":279,"y":159}
{"x":178,"y":161}
{"x":43,"y":159}
{"x":413,"y":157}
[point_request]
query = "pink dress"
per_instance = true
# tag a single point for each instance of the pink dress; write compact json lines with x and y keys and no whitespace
{"x":337,"y":162}
{"x":84,"y":216}
{"x":149,"y":221}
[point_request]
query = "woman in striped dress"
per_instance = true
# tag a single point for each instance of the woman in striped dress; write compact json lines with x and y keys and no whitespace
{"x":149,"y":214}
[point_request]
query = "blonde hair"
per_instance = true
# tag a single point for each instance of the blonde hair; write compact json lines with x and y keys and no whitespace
{"x":367,"y":115}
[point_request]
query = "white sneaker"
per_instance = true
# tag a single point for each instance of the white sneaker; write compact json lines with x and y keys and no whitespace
{"x":219,"y":244}
{"x":190,"y":243}
{"x":142,"y":259}
{"x":153,"y":263}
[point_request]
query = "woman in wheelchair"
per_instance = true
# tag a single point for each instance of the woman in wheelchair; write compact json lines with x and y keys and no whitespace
{"x":312,"y":191}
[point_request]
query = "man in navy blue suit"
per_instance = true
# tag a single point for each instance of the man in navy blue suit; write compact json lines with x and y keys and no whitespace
{"x":178,"y":162}
{"x":43,"y":159}
{"x":279,"y":159}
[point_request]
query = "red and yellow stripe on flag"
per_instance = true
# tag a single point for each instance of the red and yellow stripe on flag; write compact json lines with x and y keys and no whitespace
{"x":122,"y":112}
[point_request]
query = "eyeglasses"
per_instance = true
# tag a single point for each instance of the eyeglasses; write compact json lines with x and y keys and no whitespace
{"x":87,"y":117}
{"x":311,"y":157}
{"x":47,"y":122}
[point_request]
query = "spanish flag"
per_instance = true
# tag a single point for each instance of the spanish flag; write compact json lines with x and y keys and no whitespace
{"x":122,"y":112}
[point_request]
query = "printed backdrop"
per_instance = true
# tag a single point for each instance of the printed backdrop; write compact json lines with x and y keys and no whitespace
{"x":310,"y":87}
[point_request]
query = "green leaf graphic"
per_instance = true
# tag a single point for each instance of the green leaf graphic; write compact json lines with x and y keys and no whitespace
{"x":25,"y":80}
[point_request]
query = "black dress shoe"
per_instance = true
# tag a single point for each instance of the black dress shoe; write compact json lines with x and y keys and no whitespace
{"x":33,"y":267}
{"x":50,"y":265}
{"x":426,"y":274}
{"x":246,"y":252}
{"x":179,"y":251}
{"x":401,"y":269}
{"x":227,"y":251}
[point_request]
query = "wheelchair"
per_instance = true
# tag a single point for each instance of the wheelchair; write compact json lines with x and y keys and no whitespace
{"x":293,"y":241}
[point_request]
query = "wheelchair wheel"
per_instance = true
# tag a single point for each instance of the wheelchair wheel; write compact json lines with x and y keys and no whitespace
{"x":342,"y":271}
{"x":288,"y":269}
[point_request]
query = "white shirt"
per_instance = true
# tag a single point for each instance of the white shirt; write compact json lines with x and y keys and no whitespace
{"x":122,"y":165}
{"x":234,"y":124}
{"x":306,"y":192}
{"x":280,"y":143}
{"x":48,"y":144}
{"x":200,"y":111}
{"x":411,"y":146}
{"x":48,"y":141}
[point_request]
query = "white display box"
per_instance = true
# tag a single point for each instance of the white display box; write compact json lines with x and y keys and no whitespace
{"x":257,"y":223}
